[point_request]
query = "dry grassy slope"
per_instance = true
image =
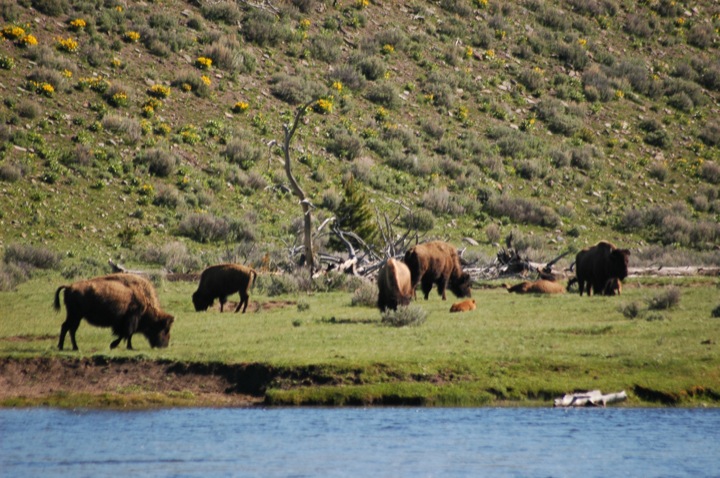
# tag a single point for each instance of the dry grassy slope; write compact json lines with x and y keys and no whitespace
{"x":487,"y":95}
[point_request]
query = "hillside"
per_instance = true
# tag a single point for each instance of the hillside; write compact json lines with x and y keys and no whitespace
{"x":150,"y":131}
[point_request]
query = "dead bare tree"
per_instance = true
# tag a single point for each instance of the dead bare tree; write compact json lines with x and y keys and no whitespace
{"x":296,"y":189}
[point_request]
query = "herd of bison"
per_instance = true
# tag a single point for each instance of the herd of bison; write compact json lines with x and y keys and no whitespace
{"x":128,"y":303}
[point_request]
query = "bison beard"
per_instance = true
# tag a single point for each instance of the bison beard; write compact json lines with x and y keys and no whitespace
{"x":220,"y":281}
{"x":111,"y":303}
{"x":597,"y":265}
{"x":438,"y":263}
{"x":393,"y":285}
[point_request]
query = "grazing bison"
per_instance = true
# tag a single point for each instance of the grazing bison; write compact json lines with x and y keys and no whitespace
{"x":111,"y":303}
{"x":596,"y":265}
{"x":463,"y":306}
{"x":393,"y":285}
{"x":438,"y":263}
{"x":540,"y":286}
{"x":219,"y":282}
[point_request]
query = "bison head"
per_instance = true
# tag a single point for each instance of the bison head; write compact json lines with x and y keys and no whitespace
{"x":618,"y":263}
{"x":460,"y":285}
{"x":201,"y":302}
{"x":157,"y":331}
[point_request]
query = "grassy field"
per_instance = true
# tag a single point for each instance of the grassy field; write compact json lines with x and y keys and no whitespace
{"x":512,"y":349}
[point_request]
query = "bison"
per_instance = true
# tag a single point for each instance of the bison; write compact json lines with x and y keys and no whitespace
{"x":596,"y":265}
{"x":106,"y":302}
{"x":438,"y":263}
{"x":220,"y":281}
{"x":463,"y":306}
{"x":394,"y":287}
{"x":540,"y":286}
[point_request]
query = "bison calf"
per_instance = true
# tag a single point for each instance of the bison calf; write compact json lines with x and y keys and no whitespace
{"x":393,"y":285}
{"x":219,"y":282}
{"x":463,"y":306}
{"x":111,"y":303}
{"x":540,"y":286}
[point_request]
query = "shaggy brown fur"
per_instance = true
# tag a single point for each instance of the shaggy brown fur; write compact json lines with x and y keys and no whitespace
{"x":463,"y":306}
{"x":540,"y":286}
{"x":438,"y":263}
{"x":222,"y":280}
{"x":110,"y":303}
{"x":393,"y":285}
{"x":596,"y":265}
{"x":142,"y":286}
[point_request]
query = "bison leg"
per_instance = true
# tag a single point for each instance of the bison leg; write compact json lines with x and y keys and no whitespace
{"x":427,"y":285}
{"x":442,"y":286}
{"x":223,"y":299}
{"x":70,"y":325}
{"x":244,"y":299}
{"x":115,"y":343}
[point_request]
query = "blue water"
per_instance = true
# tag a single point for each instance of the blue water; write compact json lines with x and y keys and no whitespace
{"x":355,"y":442}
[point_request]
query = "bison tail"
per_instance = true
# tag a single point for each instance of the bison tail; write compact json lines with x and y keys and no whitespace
{"x":253,"y":277}
{"x":56,"y":303}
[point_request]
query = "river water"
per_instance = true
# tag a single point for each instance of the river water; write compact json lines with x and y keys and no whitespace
{"x":357,"y":442}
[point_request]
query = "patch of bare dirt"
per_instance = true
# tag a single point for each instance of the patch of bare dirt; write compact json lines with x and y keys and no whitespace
{"x":207,"y":385}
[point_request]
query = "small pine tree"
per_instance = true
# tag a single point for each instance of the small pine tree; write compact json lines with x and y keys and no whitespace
{"x":355,"y":215}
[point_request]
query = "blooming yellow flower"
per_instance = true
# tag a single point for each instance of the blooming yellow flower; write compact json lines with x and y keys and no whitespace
{"x":582,"y":41}
{"x":388,"y":49}
{"x":324,"y":105}
{"x":338,"y":86}
{"x":203,"y":63}
{"x":66,"y":44}
{"x":131,"y":36}
{"x":304,"y":24}
{"x":27,"y":40}
{"x":159,"y":91}
{"x":47,"y":89}
{"x":240,"y":107}
{"x":12,"y":32}
{"x":206,"y":79}
{"x":78,"y":24}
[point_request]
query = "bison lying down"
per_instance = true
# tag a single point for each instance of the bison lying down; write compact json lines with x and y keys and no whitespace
{"x":393,"y":285}
{"x":123,"y":302}
{"x":540,"y":286}
{"x":219,"y":282}
{"x":438,"y":263}
{"x":463,"y":306}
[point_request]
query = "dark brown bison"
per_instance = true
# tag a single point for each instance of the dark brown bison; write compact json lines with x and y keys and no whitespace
{"x":393,"y":285}
{"x":596,"y":265}
{"x":111,"y":303}
{"x":463,"y":306}
{"x":438,"y":263}
{"x":540,"y":286}
{"x":219,"y":282}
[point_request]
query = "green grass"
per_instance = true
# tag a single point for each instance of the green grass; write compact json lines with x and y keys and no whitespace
{"x":512,"y":348}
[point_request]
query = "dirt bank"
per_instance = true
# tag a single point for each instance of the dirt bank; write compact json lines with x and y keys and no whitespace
{"x":128,"y":383}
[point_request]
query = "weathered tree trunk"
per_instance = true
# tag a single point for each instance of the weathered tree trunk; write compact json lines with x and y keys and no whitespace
{"x":593,"y":398}
{"x":297,"y":190}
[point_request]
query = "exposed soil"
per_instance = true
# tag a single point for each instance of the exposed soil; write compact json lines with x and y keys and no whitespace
{"x":37,"y":379}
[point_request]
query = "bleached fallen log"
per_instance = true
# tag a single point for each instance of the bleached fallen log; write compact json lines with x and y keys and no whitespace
{"x":593,"y":398}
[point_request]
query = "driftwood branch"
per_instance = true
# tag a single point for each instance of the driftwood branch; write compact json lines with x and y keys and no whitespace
{"x":593,"y":398}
